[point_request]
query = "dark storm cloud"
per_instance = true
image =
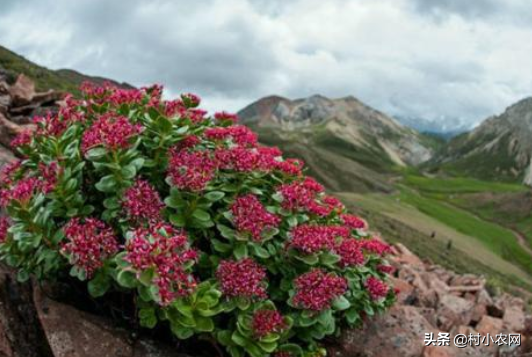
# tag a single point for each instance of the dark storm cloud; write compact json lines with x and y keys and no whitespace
{"x":445,"y":58}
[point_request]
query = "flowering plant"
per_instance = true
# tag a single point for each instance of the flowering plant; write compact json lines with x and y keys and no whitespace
{"x":212,"y":232}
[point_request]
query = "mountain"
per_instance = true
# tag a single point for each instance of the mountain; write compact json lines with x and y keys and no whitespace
{"x":346,"y":144}
{"x":446,"y":127}
{"x":500,"y":148}
{"x":65,"y":80}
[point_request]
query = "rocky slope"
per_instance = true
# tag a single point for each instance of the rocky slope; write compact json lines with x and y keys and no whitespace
{"x":347,"y":145}
{"x":346,"y":119}
{"x":498,"y":149}
{"x":12,"y":64}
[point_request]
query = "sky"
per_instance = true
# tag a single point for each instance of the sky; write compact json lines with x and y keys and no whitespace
{"x":450,"y":62}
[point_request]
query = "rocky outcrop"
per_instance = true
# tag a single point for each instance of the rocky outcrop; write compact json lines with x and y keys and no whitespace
{"x":434,"y":300}
{"x":19,"y":103}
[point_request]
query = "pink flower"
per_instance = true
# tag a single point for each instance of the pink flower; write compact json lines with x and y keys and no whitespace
{"x":89,"y":244}
{"x":167,"y":251}
{"x":190,"y":100}
{"x":237,"y":159}
{"x":300,"y":195}
{"x":265,"y":322}
{"x":310,"y":238}
{"x":223,"y":116}
{"x":291,"y":167}
{"x":375,"y":246}
{"x":22,"y":139}
{"x":174,"y":107}
{"x":9,"y":171}
{"x":239,"y":134}
{"x":191,"y":170}
{"x":196,"y":115}
{"x":5,"y":223}
{"x":49,"y":176}
{"x":353,"y":222}
{"x":317,"y":289}
{"x":243,"y":278}
{"x":188,"y":142}
{"x":22,"y":191}
{"x":142,"y":201}
{"x":111,"y":132}
{"x":250,"y":216}
{"x":376,"y":288}
{"x":351,"y":253}
{"x":385,"y":269}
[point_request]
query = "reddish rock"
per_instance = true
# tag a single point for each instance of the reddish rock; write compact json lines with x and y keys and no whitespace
{"x":406,"y":291}
{"x":399,"y":332}
{"x":514,"y":319}
{"x":438,"y":351}
{"x":73,"y":333}
{"x":406,"y":257}
{"x":491,"y":325}
{"x":453,"y":311}
{"x":22,"y":91}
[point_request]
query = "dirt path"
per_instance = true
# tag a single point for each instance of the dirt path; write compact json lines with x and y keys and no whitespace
{"x":522,"y":241}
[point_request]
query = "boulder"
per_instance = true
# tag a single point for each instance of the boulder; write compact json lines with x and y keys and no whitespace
{"x":73,"y":333}
{"x":514,"y":319}
{"x":453,"y":311}
{"x":399,"y":332}
{"x":22,"y":91}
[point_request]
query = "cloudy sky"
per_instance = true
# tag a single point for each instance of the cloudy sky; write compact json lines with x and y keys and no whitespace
{"x":436,"y":59}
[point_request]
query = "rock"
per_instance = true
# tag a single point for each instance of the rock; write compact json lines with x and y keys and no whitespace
{"x":73,"y":333}
{"x":399,"y":332}
{"x":22,"y":91}
{"x":453,"y":311}
{"x":438,"y":351}
{"x":406,"y":257}
{"x":406,"y":291}
{"x":8,"y":130}
{"x":514,"y":319}
{"x":491,"y":325}
{"x":48,"y":97}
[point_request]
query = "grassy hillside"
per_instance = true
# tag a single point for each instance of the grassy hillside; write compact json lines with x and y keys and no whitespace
{"x":63,"y":80}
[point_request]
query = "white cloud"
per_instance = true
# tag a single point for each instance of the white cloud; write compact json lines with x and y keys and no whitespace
{"x":424,"y":58}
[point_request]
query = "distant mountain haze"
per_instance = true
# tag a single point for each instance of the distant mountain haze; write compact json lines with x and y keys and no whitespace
{"x":500,"y":148}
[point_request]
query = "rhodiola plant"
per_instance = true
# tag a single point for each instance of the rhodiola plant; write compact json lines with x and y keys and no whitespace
{"x":212,"y":233}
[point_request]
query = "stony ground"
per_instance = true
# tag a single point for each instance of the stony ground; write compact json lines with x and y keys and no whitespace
{"x":432,"y":300}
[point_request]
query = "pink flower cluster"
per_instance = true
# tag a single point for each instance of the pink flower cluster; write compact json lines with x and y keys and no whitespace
{"x":112,"y":132}
{"x":375,"y":246}
{"x":5,"y":223}
{"x":250,"y":216}
{"x":190,"y":100}
{"x":49,"y":176}
{"x":240,"y":135}
{"x":191,"y":170}
{"x":265,"y":322}
{"x":142,"y":202}
{"x":22,"y":139}
{"x":351,"y":253}
{"x":89,"y":244}
{"x":353,"y":222}
{"x":302,"y":195}
{"x":9,"y":171}
{"x":317,"y":289}
{"x":22,"y":191}
{"x":377,"y":289}
{"x":309,"y":238}
{"x":223,"y":116}
{"x":166,"y":250}
{"x":243,"y":278}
